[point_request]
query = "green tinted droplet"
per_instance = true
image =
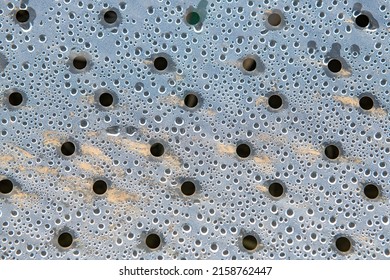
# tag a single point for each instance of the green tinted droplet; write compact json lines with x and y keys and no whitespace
{"x":193,"y":18}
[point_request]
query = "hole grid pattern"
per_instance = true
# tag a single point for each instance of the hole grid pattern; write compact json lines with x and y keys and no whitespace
{"x":232,"y":56}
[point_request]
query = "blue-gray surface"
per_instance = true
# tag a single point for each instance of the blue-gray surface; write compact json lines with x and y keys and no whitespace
{"x":251,"y":101}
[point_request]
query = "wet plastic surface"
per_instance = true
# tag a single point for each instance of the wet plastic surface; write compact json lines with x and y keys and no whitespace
{"x":182,"y":130}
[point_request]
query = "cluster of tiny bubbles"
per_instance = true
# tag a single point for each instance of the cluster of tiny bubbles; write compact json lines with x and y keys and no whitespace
{"x":210,"y":130}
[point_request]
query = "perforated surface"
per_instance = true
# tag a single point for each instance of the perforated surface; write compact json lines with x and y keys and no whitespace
{"x":195,"y":130}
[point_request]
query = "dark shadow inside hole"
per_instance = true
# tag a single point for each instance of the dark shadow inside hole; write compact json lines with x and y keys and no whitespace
{"x":65,"y":240}
{"x":15,"y":98}
{"x":79,"y":62}
{"x":334,"y":65}
{"x":249,"y":242}
{"x":371,"y":191}
{"x":68,"y":148}
{"x":157,"y":149}
{"x":188,"y":188}
{"x":274,"y":19}
{"x":243,"y":150}
{"x":106,"y":99}
{"x":343,"y":244}
{"x":160,"y":63}
{"x":366,"y":103}
{"x":276,"y":189}
{"x":191,"y":100}
{"x":332,"y":152}
{"x":22,"y":16}
{"x":275,"y":101}
{"x":249,"y":64}
{"x":362,"y":21}
{"x":153,"y":241}
{"x":193,"y":18}
{"x":100,"y":187}
{"x":110,"y":17}
{"x":6,"y":186}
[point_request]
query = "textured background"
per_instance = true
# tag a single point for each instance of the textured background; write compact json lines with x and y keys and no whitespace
{"x":231,"y":212}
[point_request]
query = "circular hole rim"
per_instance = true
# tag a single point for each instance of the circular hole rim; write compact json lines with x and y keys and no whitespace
{"x":251,"y":238}
{"x":278,"y":184}
{"x":20,"y":95}
{"x":252,"y":62}
{"x":154,"y":236}
{"x":160,"y":59}
{"x":111,"y":11}
{"x":376,"y":187}
{"x":8,"y":188}
{"x":191,"y":15}
{"x":65,"y":235}
{"x":26,"y":14}
{"x":160,"y":147}
{"x":363,"y":100}
{"x":97,"y":95}
{"x":279,"y":19}
{"x":271,"y":98}
{"x":334,"y":65}
{"x":364,"y":17}
{"x":192,"y":95}
{"x":192,"y":185}
{"x":109,"y":95}
{"x":72,"y":145}
{"x":332,"y":145}
{"x":80,"y":58}
{"x":96,"y":187}
{"x":248,"y":150}
{"x":340,"y":238}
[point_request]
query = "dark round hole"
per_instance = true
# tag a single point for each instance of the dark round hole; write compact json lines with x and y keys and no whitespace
{"x":65,"y":240}
{"x":343,"y":244}
{"x":153,"y":241}
{"x":22,"y":16}
{"x":80,"y":62}
{"x":188,"y":188}
{"x":243,"y":150}
{"x":332,"y":151}
{"x":160,"y":63}
{"x":68,"y":148}
{"x":366,"y":103}
{"x":100,"y":187}
{"x":275,"y":101}
{"x":15,"y":98}
{"x":193,"y":18}
{"x":110,"y":17}
{"x":249,"y":242}
{"x":371,"y":191}
{"x":334,"y":65}
{"x":249,"y":64}
{"x":6,"y":186}
{"x":362,"y":21}
{"x":106,"y":99}
{"x":157,"y":149}
{"x":274,"y":19}
{"x":191,"y":100}
{"x":276,"y":189}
